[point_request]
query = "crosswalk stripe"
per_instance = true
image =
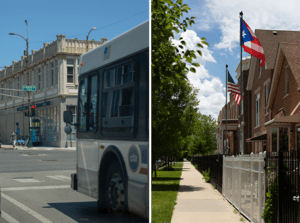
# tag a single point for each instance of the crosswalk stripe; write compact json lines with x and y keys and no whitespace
{"x":8,"y":218}
{"x":27,"y":209}
{"x":35,"y":188}
{"x":60,"y":177}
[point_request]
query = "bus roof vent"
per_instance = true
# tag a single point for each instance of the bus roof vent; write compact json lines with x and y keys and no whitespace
{"x":106,"y":52}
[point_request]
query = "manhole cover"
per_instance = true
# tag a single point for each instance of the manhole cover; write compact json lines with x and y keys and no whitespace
{"x":49,"y":160}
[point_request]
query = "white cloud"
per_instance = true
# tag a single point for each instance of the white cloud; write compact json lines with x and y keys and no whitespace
{"x":268,"y":14}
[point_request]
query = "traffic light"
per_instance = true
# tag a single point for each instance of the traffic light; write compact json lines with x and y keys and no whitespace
{"x":32,"y":110}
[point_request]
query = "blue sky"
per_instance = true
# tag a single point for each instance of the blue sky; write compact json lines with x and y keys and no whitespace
{"x":218,"y":21}
{"x":46,"y":19}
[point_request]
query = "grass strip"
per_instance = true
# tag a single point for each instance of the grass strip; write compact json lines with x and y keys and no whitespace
{"x":164,"y":193}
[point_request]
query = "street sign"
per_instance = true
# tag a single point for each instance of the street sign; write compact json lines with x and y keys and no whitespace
{"x":28,"y":88}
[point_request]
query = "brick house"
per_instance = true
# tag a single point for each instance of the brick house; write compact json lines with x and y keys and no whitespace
{"x":259,"y":82}
{"x":284,"y":101}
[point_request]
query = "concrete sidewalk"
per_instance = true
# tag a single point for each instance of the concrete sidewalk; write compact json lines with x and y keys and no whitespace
{"x":10,"y":147}
{"x":198,"y":201}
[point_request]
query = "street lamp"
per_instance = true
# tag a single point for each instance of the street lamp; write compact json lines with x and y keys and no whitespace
{"x":27,"y":52}
{"x":87,"y":37}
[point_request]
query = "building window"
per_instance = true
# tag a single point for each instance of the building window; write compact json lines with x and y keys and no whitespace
{"x":70,"y":71}
{"x":257,"y":109}
{"x":52,"y":74}
{"x":56,"y":72}
{"x":286,"y":81}
{"x":2,"y":92}
{"x":73,"y":109}
{"x":267,"y":97}
{"x":18,"y":86}
{"x":78,"y":66}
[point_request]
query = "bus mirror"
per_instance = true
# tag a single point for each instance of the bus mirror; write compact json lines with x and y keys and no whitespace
{"x":68,"y":117}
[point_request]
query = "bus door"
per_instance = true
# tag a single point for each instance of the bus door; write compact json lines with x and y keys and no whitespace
{"x":87,"y":143}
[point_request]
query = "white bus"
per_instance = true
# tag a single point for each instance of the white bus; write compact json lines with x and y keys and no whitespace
{"x":112,"y":124}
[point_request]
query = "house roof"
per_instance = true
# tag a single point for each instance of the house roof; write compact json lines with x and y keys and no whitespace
{"x":286,"y":119}
{"x":270,"y":42}
{"x":290,"y":51}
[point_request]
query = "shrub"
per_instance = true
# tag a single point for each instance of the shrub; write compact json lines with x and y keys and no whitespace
{"x":206,"y":175}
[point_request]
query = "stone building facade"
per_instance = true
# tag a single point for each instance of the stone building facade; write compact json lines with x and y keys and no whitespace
{"x":54,"y":70}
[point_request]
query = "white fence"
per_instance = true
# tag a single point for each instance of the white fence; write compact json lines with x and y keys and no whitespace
{"x":244,"y":184}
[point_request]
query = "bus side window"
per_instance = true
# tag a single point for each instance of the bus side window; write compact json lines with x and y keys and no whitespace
{"x":82,"y":104}
{"x":93,"y":103}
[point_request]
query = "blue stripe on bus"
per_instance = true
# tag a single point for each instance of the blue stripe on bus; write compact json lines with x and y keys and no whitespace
{"x":144,"y":153}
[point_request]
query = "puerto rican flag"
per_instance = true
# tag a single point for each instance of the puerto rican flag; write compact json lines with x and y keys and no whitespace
{"x":251,"y":44}
{"x":233,"y":88}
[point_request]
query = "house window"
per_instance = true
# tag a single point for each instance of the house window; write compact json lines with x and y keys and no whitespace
{"x":235,"y":111}
{"x":282,"y":141}
{"x":242,"y":104}
{"x":274,"y":139}
{"x":267,"y":97}
{"x":260,"y":68}
{"x":286,"y":80}
{"x":255,"y":148}
{"x":70,"y":71}
{"x":257,"y":109}
{"x":298,"y":138}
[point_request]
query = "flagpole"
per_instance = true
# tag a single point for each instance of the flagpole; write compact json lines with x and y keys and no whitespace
{"x":226,"y":150}
{"x":241,"y":28}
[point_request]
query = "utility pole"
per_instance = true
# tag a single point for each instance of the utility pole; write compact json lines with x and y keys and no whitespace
{"x":29,"y":109}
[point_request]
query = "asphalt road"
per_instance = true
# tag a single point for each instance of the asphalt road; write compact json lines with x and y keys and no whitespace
{"x":35,"y":187}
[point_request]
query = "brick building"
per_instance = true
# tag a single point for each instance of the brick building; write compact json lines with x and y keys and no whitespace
{"x":54,"y":71}
{"x":271,"y":97}
{"x":260,"y":81}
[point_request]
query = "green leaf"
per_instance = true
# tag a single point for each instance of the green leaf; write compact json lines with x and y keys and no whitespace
{"x":199,"y":45}
{"x":183,"y":42}
{"x":193,"y":70}
{"x":205,"y":43}
{"x":199,"y":52}
{"x":196,"y":64}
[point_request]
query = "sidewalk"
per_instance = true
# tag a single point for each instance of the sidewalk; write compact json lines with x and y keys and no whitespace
{"x":10,"y":147}
{"x":198,"y":201}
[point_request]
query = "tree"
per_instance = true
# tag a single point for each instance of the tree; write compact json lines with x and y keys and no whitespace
{"x":172,"y":94}
{"x":205,"y":141}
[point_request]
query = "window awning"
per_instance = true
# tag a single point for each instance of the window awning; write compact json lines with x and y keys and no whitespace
{"x":262,"y":137}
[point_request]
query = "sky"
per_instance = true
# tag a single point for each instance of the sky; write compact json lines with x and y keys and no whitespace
{"x":46,"y":19}
{"x":218,"y":21}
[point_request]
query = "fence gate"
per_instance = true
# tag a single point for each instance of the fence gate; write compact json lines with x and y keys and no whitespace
{"x":288,"y":187}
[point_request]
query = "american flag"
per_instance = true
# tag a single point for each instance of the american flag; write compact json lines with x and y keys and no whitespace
{"x":233,"y":88}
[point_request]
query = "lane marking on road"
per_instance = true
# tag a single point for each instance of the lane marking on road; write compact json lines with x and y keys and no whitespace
{"x":60,"y":177}
{"x":35,"y":188}
{"x":28,"y":180}
{"x":8,"y":218}
{"x":27,"y":209}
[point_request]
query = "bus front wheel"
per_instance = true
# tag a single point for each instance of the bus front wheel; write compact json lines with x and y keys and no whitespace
{"x":115,"y":189}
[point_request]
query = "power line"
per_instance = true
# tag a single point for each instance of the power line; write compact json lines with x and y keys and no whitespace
{"x":98,"y":28}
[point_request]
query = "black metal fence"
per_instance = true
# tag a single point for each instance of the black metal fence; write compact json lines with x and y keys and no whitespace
{"x":282,"y":177}
{"x":215,"y":164}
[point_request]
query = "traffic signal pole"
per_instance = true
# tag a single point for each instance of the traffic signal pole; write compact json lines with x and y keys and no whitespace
{"x":29,"y":108}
